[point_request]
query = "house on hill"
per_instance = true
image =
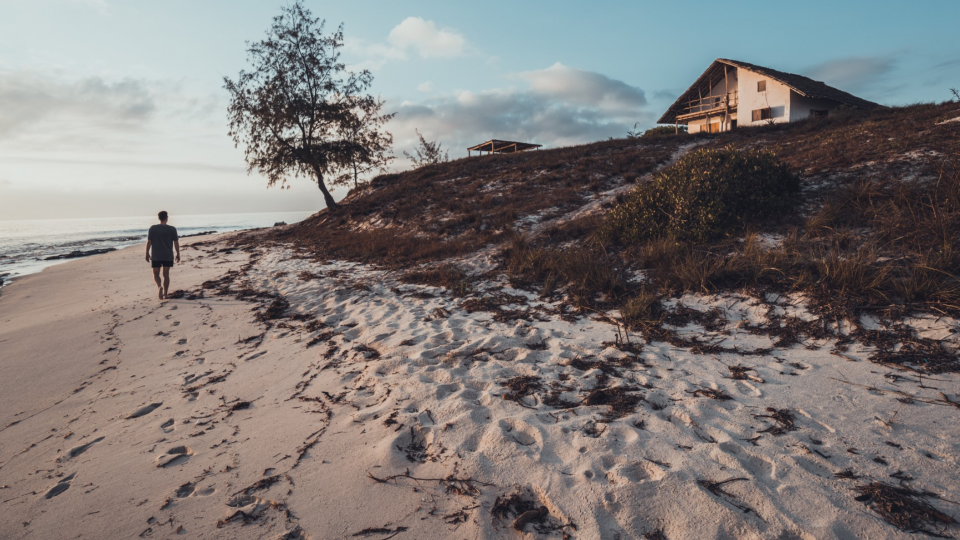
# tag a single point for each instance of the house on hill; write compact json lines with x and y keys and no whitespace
{"x":733,"y":94}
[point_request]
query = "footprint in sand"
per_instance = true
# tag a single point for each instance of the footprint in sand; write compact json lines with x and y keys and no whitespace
{"x":60,"y":487}
{"x":182,"y":341}
{"x":79,"y":450}
{"x":143,"y":411}
{"x":167,"y":426}
{"x":251,"y":505}
{"x":445,"y":390}
{"x":521,"y":433}
{"x":190,"y":490}
{"x":192,"y":396}
{"x":176,"y":323}
{"x":174,"y":456}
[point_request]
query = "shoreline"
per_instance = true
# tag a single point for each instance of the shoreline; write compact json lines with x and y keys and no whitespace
{"x":19,"y":257}
{"x":320,"y":399}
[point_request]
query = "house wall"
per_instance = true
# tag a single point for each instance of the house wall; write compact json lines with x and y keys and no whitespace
{"x":801,"y":106}
{"x":720,"y":89}
{"x":777,"y":97}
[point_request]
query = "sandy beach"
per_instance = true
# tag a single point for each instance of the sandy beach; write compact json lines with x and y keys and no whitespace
{"x":286,"y":397}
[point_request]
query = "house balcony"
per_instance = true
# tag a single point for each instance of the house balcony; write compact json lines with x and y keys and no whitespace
{"x":708,"y":106}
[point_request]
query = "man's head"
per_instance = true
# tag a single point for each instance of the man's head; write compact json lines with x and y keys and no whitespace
{"x":162,"y":215}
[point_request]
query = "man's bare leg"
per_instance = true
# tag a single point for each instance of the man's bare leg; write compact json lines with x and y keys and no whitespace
{"x":166,"y":280}
{"x":156,"y":278}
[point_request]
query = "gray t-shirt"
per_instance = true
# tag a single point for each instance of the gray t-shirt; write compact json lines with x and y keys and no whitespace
{"x":163,"y":237}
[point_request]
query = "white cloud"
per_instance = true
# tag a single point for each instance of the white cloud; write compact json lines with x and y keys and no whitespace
{"x":31,"y":99}
{"x":428,"y":40}
{"x":584,"y":88}
{"x":50,"y":111}
{"x":560,"y":106}
{"x":425,"y":86}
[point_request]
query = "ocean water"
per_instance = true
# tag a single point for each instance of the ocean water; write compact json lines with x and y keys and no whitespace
{"x":25,"y":244}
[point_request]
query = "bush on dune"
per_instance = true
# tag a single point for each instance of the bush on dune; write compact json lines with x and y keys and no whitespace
{"x":707,"y":194}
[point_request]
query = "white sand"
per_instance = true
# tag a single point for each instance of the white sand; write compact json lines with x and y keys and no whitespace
{"x":127,"y":417}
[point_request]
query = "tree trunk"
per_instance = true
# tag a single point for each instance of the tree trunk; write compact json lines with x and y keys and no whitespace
{"x":355,"y":183}
{"x":331,"y":204}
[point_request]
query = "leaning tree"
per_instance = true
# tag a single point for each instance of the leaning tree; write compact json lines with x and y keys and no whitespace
{"x":297,"y":110}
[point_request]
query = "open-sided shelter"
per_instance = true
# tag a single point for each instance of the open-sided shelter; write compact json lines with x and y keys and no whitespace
{"x":496,"y":146}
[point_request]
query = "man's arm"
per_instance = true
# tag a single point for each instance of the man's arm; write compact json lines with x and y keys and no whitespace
{"x":176,"y":244}
{"x":149,"y":243}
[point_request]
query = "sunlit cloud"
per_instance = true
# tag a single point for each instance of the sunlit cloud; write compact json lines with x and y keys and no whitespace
{"x":427,"y":39}
{"x":414,"y":36}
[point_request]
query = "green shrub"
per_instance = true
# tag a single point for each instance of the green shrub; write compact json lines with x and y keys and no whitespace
{"x":707,"y":194}
{"x":662,"y":131}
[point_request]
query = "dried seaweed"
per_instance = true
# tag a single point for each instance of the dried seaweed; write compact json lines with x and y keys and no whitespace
{"x":905,"y":508}
{"x":381,"y":530}
{"x":367,"y":351}
{"x":622,"y":401}
{"x":521,"y":386}
{"x":901,"y":348}
{"x":716,"y":488}
{"x":784,"y":419}
{"x":418,"y":450}
{"x":275,"y":310}
{"x":467,"y":487}
{"x":712,"y":393}
{"x":522,"y":507}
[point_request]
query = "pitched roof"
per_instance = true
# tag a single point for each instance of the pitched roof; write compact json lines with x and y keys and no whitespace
{"x":804,"y":86}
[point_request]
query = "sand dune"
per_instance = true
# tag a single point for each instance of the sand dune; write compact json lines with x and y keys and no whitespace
{"x":333,"y":401}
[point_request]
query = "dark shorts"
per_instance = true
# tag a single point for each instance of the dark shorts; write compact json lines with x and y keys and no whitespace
{"x":158,"y":264}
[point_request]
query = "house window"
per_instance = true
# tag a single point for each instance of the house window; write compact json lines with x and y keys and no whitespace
{"x":761,"y":114}
{"x":814,"y":113}
{"x":761,"y":86}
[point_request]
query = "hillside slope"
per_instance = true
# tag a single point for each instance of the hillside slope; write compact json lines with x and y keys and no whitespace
{"x":471,"y":202}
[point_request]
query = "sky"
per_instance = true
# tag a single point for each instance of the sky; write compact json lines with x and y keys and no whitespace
{"x":114,"y":108}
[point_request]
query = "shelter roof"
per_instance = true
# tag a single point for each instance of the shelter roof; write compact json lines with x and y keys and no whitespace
{"x":503,"y":147}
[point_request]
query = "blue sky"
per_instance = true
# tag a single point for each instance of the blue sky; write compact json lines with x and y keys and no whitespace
{"x":116,"y":108}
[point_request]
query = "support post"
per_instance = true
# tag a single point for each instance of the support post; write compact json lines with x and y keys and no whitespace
{"x":726,"y":98}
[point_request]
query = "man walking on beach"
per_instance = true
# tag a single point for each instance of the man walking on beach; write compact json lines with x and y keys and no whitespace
{"x":163,"y":239}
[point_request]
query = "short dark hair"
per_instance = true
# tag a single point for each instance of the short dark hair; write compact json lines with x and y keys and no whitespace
{"x":162,"y":215}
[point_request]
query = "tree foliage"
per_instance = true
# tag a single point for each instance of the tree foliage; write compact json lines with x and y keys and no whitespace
{"x":366,"y":130}
{"x":427,"y":153}
{"x":299,"y":112}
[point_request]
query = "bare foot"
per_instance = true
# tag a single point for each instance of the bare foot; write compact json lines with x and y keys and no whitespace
{"x":160,"y":294}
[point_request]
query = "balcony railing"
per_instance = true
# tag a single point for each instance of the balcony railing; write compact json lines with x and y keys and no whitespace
{"x":706,"y":104}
